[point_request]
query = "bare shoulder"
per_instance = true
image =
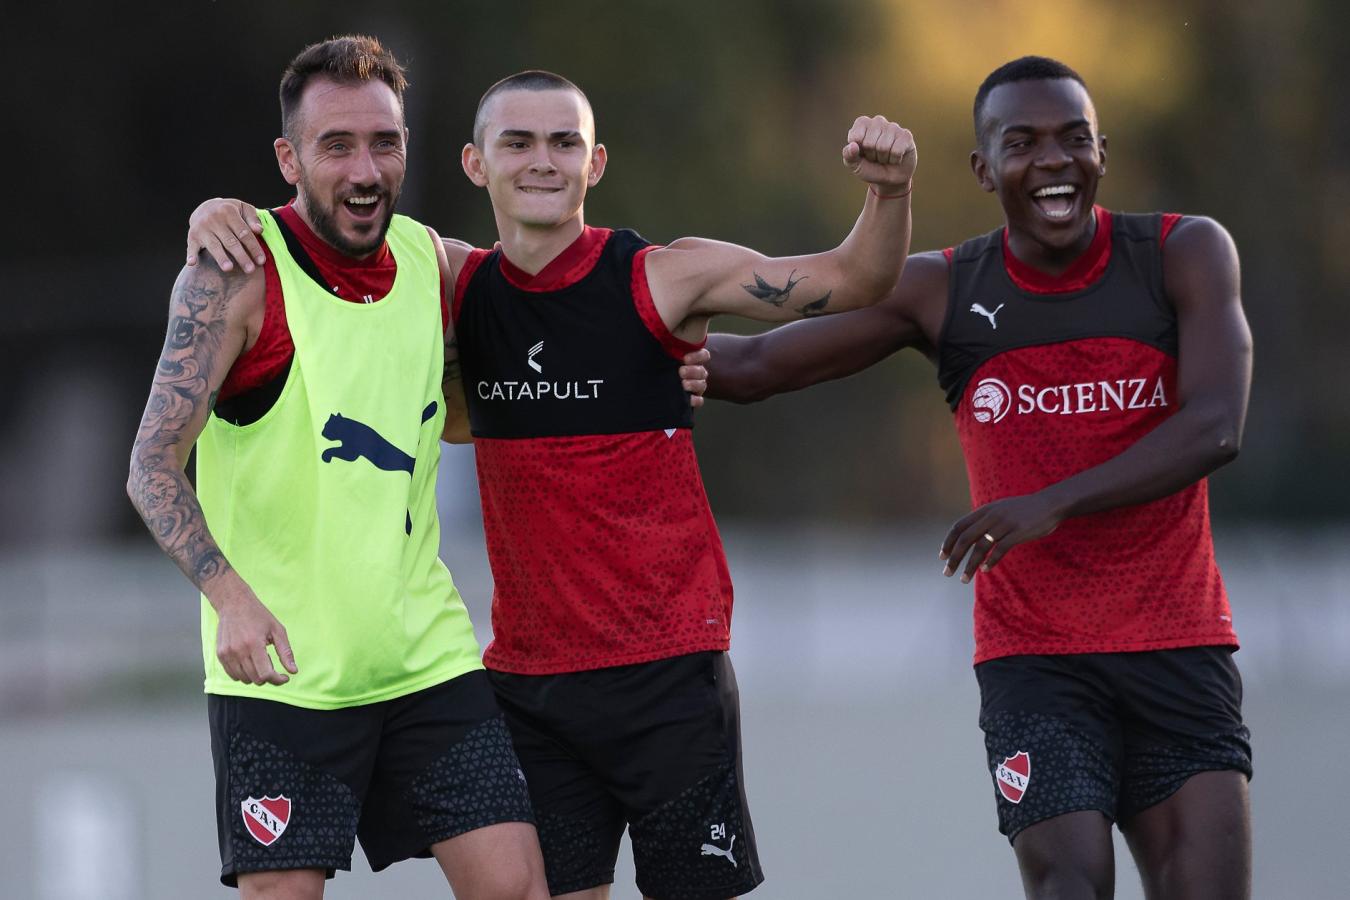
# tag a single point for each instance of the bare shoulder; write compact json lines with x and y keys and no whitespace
{"x":1200,"y":262}
{"x":921,"y":294}
{"x":926,"y":273}
{"x":229,"y":296}
{"x":1197,"y":238}
{"x":450,"y":252}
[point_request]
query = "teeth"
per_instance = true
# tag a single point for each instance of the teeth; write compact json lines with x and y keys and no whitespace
{"x":1055,"y":190}
{"x":362,"y":201}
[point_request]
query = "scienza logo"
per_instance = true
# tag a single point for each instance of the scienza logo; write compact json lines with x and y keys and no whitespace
{"x":992,"y":399}
{"x":267,"y":818}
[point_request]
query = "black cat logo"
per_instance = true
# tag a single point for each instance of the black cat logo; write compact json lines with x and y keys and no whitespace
{"x":356,"y":439}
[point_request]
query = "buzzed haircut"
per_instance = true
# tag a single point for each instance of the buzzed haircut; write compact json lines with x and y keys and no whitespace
{"x":349,"y":59}
{"x":1028,"y":68}
{"x":531,"y":80}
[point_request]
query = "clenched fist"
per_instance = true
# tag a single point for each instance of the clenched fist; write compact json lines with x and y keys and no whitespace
{"x":882,"y":154}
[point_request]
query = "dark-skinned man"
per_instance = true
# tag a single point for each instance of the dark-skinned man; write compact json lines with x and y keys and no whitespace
{"x":1098,"y":366}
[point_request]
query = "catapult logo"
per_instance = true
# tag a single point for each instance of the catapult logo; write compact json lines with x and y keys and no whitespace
{"x":539,"y":390}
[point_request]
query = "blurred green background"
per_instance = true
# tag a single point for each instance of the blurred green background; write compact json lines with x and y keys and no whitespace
{"x":723,"y":120}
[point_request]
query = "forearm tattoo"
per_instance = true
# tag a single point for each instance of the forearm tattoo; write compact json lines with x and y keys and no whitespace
{"x":778,"y":296}
{"x":180,"y":393}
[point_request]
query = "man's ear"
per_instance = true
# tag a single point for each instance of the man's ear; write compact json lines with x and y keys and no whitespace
{"x":599,"y":158}
{"x":471,"y":159}
{"x":980,"y":167}
{"x":1101,"y":155}
{"x":288,"y":160}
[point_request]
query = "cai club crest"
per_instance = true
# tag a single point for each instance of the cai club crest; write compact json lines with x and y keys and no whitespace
{"x":1013,"y":775}
{"x":266,"y":819}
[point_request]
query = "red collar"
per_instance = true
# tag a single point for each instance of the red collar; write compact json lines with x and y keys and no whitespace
{"x":1082,"y":272}
{"x":567,"y":268}
{"x":323,"y":252}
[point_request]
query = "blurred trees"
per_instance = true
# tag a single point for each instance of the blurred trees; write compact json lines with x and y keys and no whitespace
{"x":722,"y":119}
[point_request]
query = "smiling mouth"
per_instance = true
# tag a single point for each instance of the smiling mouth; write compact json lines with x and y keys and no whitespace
{"x":363,"y":206}
{"x":1056,"y":201}
{"x":538,"y":190}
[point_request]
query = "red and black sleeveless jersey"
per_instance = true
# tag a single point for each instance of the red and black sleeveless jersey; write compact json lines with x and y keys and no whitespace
{"x":1046,"y":385}
{"x":602,"y":544}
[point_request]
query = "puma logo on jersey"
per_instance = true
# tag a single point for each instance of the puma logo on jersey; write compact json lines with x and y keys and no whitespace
{"x":357,"y":440}
{"x":979,"y":308}
{"x":529,"y":357}
{"x":714,"y":850}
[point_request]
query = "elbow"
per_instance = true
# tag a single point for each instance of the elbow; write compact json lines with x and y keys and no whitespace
{"x":135,"y":477}
{"x":1222,"y":439}
{"x":1226,"y":450}
{"x":743,"y":388}
{"x":878,"y":287}
{"x":457,"y":434}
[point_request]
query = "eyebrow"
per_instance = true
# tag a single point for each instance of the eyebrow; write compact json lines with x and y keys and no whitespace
{"x":341,"y":132}
{"x":552,"y":135}
{"x":1067,"y":126}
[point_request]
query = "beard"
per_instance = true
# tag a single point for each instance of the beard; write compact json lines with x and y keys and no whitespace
{"x":323,"y":218}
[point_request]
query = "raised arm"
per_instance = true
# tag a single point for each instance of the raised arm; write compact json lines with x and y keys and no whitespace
{"x":1214,"y":372}
{"x":693,"y":279}
{"x":749,"y":369}
{"x":208,"y":313}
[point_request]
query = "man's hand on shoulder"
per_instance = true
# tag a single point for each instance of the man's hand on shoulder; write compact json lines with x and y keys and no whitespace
{"x":228,"y":231}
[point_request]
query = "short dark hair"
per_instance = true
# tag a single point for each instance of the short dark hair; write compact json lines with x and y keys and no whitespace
{"x":531,"y":80}
{"x":349,"y":59}
{"x":1027,"y":68}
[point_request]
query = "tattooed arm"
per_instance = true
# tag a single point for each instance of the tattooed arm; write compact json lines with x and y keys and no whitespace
{"x":693,"y":279}
{"x":209,"y":313}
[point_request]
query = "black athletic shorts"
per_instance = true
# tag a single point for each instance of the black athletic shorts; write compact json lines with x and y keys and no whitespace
{"x":295,"y":786}
{"x":654,"y":747}
{"x":1114,"y":732}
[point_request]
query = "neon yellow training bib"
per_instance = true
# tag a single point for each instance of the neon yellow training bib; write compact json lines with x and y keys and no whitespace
{"x":326,"y":506}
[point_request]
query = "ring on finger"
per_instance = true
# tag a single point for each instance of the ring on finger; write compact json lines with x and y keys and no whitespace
{"x":990,"y":538}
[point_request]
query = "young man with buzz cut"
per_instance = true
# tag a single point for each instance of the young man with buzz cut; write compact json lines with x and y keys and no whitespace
{"x":1098,"y":365}
{"x":612,"y":603}
{"x":312,"y":387}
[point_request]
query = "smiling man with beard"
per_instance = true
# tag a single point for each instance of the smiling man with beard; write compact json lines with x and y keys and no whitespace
{"x":312,"y":387}
{"x":1098,"y":365}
